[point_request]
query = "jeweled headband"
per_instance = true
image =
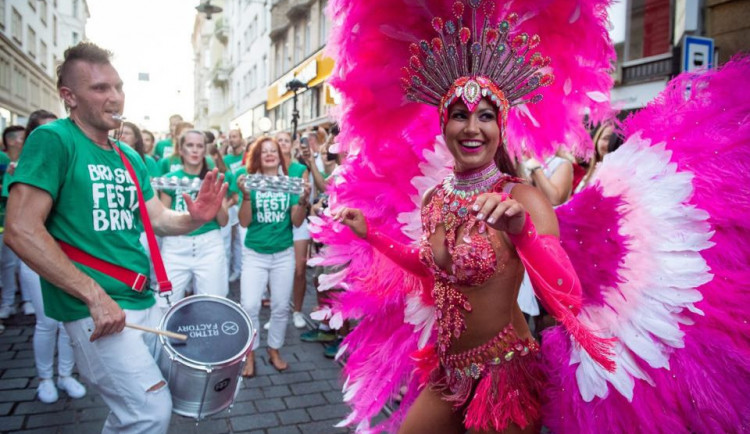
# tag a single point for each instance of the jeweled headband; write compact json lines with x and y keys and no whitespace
{"x":490,"y":62}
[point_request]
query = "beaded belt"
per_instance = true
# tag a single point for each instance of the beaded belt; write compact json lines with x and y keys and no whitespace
{"x":503,"y":348}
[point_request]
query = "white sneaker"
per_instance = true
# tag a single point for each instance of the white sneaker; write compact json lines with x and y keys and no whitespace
{"x":72,"y":387}
{"x":28,"y":308}
{"x":298,"y":318}
{"x":47,"y":392}
{"x":267,"y":325}
{"x":7,"y":311}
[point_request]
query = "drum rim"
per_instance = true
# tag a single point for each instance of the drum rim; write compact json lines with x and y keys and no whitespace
{"x":195,"y":298}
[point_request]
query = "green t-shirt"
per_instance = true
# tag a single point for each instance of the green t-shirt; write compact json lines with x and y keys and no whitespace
{"x":152,"y":166}
{"x":174,"y":163}
{"x":296,"y":170}
{"x":233,"y":162}
{"x":163,"y":148}
{"x":178,"y":203}
{"x":4,"y":162}
{"x":271,"y":228}
{"x":95,"y":208}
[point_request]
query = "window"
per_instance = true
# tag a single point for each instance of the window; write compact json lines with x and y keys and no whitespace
{"x":75,"y":8}
{"x":2,"y":14}
{"x":43,"y":53}
{"x":31,"y":41}
{"x":308,"y":37}
{"x":323,"y":23}
{"x":286,"y":58}
{"x":75,"y":38}
{"x":5,"y":76}
{"x":254,"y":26}
{"x":32,"y":5}
{"x":263,"y":69}
{"x":16,"y":25}
{"x":297,"y":43}
{"x":54,"y":30}
{"x":43,"y":11}
{"x":277,"y":68}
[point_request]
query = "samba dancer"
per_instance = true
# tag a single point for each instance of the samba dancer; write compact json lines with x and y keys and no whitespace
{"x":73,"y":186}
{"x":649,"y":290}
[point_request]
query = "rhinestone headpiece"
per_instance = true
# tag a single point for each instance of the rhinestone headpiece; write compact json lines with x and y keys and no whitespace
{"x":490,"y":62}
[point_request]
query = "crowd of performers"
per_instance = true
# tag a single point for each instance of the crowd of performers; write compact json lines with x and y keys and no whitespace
{"x":501,"y":267}
{"x":68,"y":196}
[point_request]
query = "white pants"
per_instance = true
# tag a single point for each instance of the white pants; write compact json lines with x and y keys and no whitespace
{"x":122,"y":369}
{"x":9,"y":264}
{"x":233,"y":242}
{"x":199,"y":257}
{"x":258,"y":270}
{"x":46,"y":331}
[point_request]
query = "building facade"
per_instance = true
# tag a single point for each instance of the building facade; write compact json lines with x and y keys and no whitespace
{"x":299,"y":32}
{"x":249,"y":57}
{"x":33,"y":37}
{"x":213,"y":104}
{"x":655,"y":35}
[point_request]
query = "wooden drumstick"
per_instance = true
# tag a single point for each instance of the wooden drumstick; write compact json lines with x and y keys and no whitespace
{"x":166,"y":333}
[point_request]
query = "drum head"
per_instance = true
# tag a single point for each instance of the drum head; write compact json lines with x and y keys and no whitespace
{"x":219,"y":331}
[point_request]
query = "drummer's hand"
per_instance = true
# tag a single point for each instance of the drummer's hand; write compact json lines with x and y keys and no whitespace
{"x":209,"y":199}
{"x":108,"y":317}
{"x":354,"y":219}
{"x":500,"y":212}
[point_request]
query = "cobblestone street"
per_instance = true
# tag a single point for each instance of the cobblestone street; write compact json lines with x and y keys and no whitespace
{"x":304,"y":399}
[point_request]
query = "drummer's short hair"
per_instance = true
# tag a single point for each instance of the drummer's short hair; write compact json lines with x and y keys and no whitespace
{"x":84,"y":51}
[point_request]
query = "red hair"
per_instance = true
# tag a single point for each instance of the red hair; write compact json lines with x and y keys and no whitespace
{"x":254,"y":157}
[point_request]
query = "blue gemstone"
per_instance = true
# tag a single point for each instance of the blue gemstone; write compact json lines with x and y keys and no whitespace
{"x":476,"y":48}
{"x":463,"y":212}
{"x":450,"y":27}
{"x":452,"y":50}
{"x":475,"y":3}
{"x":424,"y":46}
{"x":501,"y":48}
{"x":430,"y":62}
{"x":504,"y":25}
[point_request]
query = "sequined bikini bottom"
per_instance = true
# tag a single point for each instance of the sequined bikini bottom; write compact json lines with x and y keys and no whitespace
{"x":493,"y":385}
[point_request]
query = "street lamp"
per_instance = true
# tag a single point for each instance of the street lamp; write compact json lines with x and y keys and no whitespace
{"x":295,"y":85}
{"x":207,"y":8}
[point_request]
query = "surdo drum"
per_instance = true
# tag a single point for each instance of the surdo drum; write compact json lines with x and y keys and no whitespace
{"x":204,"y":372}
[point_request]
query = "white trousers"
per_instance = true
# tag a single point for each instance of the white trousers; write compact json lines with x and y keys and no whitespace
{"x":199,"y":257}
{"x":46,"y":332}
{"x":233,"y":241}
{"x":258,"y":270}
{"x":121,"y":368}
{"x":9,"y":266}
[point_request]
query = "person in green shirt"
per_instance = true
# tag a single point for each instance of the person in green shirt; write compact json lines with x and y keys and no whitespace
{"x":72,"y":185}
{"x":300,"y":235}
{"x":173,"y":162}
{"x":164,"y":147}
{"x":45,"y":339}
{"x":232,"y":233}
{"x":13,"y":138}
{"x":131,"y":134}
{"x":268,"y":256}
{"x":198,"y":255}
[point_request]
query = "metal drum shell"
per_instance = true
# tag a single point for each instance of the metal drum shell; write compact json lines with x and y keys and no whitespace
{"x":201,"y":389}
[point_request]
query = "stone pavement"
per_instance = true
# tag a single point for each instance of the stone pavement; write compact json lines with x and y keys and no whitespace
{"x":304,"y":399}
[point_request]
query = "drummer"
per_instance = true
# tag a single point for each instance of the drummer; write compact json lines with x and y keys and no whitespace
{"x":74,"y":187}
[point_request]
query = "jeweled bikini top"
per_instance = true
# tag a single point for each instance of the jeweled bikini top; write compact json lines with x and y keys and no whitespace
{"x":473,"y":259}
